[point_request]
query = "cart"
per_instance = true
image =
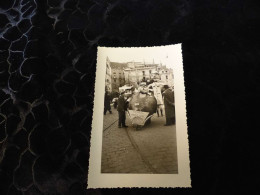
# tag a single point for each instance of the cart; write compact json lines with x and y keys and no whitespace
{"x":138,"y":118}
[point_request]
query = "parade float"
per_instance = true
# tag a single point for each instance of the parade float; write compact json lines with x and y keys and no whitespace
{"x":141,"y":108}
{"x":142,"y":103}
{"x":143,"y":99}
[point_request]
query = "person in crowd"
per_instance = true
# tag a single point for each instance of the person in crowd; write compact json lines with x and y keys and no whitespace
{"x":159,"y":108}
{"x":121,"y":108}
{"x":115,"y":102}
{"x":142,"y":88}
{"x":169,"y":105}
{"x":107,"y":101}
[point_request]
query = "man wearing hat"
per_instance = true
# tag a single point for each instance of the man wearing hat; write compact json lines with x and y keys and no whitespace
{"x":169,"y":105}
{"x":121,"y":108}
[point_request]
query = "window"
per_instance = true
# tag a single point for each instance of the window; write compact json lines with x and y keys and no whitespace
{"x":114,"y":79}
{"x":143,"y":73}
{"x":166,"y":77}
{"x":150,"y":71}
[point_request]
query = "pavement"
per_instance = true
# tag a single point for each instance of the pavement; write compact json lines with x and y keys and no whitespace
{"x":151,"y":149}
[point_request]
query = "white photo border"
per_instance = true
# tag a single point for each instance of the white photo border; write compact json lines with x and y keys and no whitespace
{"x":96,"y":179}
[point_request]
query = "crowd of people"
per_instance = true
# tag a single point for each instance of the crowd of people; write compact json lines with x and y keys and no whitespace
{"x":167,"y":102}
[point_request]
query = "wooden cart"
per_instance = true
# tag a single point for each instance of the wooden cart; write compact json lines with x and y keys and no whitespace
{"x":138,"y":118}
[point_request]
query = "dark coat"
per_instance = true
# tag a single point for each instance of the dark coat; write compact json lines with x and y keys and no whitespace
{"x":121,"y":104}
{"x":107,"y":100}
{"x":169,"y":103}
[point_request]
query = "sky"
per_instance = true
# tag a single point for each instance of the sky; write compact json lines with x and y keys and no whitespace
{"x":164,"y":55}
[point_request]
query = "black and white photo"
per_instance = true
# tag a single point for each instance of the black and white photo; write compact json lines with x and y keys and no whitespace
{"x":139,"y":123}
{"x":139,"y":132}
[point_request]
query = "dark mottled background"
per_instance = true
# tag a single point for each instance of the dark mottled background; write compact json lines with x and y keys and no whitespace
{"x":47,"y":72}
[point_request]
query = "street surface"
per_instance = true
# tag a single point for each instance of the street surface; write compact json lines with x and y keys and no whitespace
{"x":151,"y":149}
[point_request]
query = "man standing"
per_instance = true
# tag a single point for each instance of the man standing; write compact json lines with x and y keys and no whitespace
{"x":107,"y":106}
{"x":169,"y":105}
{"x":121,"y":108}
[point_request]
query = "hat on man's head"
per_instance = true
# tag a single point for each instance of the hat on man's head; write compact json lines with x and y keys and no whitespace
{"x":166,"y":86}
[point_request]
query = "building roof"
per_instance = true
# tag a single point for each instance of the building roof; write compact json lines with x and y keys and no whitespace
{"x":117,"y":65}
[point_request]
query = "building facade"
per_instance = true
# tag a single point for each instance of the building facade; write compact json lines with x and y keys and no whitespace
{"x":133,"y":73}
{"x":117,"y":75}
{"x":137,"y":72}
{"x":166,"y":75}
{"x":108,"y":84}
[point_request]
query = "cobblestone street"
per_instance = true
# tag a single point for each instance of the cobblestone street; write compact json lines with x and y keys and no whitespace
{"x":152,"y":149}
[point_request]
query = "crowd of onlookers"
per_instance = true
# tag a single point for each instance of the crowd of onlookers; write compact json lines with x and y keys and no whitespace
{"x":120,"y":103}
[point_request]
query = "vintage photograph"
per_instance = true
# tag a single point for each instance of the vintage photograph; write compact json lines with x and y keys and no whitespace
{"x":139,"y":130}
